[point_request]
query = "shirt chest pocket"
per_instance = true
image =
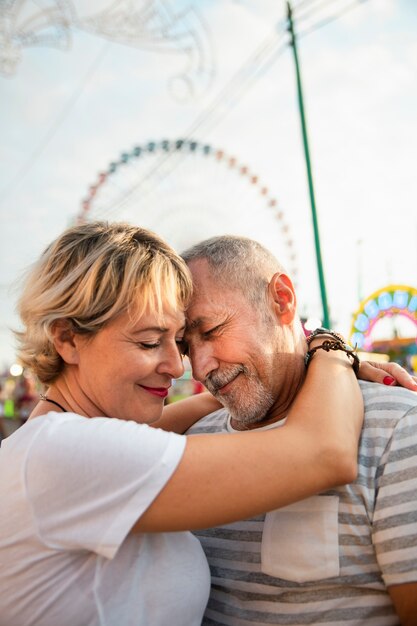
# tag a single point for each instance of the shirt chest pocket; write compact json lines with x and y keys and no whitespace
{"x":300,"y":542}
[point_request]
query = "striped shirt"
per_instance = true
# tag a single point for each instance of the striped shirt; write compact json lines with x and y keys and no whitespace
{"x":329,"y":559}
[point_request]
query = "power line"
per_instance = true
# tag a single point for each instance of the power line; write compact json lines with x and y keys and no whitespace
{"x":56,"y":125}
{"x":263,"y":57}
{"x":329,"y":20}
{"x":309,"y":11}
{"x":232,"y":91}
{"x":303,"y":3}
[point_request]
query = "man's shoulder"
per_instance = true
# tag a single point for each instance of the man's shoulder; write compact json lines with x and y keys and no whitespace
{"x":215,"y":422}
{"x":387,"y":394}
{"x":386,"y":405}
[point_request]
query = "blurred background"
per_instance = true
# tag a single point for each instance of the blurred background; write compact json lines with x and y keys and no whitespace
{"x":185,"y":116}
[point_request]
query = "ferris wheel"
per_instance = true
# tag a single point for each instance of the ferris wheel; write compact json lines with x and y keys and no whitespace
{"x":186,"y":191}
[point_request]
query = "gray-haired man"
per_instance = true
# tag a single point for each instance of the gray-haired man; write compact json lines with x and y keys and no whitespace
{"x":346,"y":557}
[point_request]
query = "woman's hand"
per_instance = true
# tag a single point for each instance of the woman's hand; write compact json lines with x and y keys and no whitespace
{"x":387,"y":374}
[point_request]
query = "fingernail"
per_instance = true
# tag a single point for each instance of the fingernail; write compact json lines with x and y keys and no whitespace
{"x":389,"y":380}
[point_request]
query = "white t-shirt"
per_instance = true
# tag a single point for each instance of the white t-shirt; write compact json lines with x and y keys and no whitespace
{"x":70,"y":490}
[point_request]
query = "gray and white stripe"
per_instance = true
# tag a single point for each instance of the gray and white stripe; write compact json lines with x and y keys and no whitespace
{"x":376,"y":530}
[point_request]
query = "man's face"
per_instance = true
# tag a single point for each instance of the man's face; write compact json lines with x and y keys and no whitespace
{"x":232,"y":348}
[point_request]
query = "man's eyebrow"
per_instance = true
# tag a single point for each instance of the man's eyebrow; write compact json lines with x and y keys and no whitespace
{"x":195,"y":323}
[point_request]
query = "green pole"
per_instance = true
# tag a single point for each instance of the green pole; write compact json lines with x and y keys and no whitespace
{"x":293,"y":43}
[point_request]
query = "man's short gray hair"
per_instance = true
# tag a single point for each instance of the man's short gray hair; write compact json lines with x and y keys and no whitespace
{"x":238,"y":263}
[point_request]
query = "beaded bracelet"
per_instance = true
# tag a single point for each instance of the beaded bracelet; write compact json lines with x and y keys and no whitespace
{"x":334,"y":344}
{"x":325,"y":331}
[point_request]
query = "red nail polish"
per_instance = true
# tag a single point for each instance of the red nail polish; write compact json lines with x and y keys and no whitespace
{"x":389,"y":380}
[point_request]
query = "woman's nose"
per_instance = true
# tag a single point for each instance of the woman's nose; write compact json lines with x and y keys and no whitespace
{"x":172,"y":363}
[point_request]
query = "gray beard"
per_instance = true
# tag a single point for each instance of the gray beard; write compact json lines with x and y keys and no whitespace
{"x":247,"y":408}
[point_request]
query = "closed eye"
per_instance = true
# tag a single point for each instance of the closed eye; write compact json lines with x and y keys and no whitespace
{"x":211,"y":331}
{"x":148,"y":346}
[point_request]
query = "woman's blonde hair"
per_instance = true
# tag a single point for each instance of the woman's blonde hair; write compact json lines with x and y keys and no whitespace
{"x":88,"y":276}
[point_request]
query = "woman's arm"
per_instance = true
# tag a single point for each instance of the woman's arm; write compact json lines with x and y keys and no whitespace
{"x":386,"y":373}
{"x":226,"y":477}
{"x":182,"y":414}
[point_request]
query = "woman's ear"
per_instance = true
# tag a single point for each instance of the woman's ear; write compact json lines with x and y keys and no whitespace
{"x":281,"y":291}
{"x":63,"y":337}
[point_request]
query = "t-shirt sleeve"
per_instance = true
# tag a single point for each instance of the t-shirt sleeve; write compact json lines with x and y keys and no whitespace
{"x":395,"y":516}
{"x":89,"y":480}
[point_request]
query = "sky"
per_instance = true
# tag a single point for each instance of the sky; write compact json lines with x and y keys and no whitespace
{"x":82,"y":83}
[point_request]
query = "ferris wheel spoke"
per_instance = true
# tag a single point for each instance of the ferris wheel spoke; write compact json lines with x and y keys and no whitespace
{"x":188,"y":190}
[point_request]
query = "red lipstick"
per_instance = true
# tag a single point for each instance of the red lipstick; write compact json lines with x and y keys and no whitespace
{"x":161,"y":392}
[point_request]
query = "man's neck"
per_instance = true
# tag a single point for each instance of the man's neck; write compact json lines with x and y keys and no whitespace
{"x":238,"y":425}
{"x":288,"y":391}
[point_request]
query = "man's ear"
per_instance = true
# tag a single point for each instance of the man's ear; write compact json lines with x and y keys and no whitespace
{"x":281,"y":291}
{"x":64,"y":340}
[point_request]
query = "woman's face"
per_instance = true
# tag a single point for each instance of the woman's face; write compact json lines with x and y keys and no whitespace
{"x":126,"y":369}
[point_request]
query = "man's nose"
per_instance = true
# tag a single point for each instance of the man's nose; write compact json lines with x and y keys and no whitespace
{"x":202,"y":361}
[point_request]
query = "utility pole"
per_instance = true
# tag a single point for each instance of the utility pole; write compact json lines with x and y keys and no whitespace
{"x":293,"y":43}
